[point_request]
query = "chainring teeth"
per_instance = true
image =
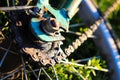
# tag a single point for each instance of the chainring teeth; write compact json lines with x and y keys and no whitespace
{"x":50,"y":54}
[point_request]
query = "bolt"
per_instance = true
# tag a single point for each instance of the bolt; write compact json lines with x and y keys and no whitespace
{"x":50,"y":26}
{"x":54,"y":24}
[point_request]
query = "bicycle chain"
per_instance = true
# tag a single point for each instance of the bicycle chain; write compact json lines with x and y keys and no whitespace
{"x":45,"y":58}
{"x":83,"y":37}
{"x":111,"y":8}
{"x":71,"y":48}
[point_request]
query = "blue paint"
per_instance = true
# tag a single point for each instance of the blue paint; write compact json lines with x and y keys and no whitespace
{"x":61,"y":16}
{"x":38,"y":32}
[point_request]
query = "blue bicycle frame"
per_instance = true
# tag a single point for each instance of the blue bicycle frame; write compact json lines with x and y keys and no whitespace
{"x":62,"y":15}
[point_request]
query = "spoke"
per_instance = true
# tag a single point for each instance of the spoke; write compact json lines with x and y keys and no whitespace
{"x":1,"y":62}
{"x":79,"y":34}
{"x":55,"y":72}
{"x":28,"y":2}
{"x":10,"y":74}
{"x":46,"y":73}
{"x":22,"y":73}
{"x":76,"y":33}
{"x":25,"y":74}
{"x":72,"y":32}
{"x":81,"y":65}
{"x":15,"y":8}
{"x":13,"y":2}
{"x":76,"y":25}
{"x":32,"y":71}
{"x":63,"y":3}
{"x":36,"y":70}
{"x":86,"y":59}
{"x":8,"y":3}
{"x":78,"y":73}
{"x":2,"y":48}
{"x":38,"y":78}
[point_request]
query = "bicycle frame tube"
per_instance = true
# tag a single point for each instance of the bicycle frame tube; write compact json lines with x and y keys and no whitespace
{"x":72,"y":7}
{"x":63,"y":16}
{"x":89,"y":13}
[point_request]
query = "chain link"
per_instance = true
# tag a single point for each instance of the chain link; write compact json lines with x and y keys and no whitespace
{"x":112,"y":8}
{"x":84,"y":36}
{"x":71,"y":48}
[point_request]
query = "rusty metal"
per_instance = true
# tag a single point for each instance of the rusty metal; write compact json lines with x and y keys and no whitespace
{"x":54,"y":54}
{"x":47,"y":55}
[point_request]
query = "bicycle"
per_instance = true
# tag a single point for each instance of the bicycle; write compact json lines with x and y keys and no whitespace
{"x":44,"y":39}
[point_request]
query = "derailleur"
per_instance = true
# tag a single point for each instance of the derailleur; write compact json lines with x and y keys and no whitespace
{"x":46,"y":49}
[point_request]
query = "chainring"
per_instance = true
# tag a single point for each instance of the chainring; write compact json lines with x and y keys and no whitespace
{"x":46,"y":54}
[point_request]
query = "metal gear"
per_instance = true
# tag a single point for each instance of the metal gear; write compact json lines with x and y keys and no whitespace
{"x":47,"y":54}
